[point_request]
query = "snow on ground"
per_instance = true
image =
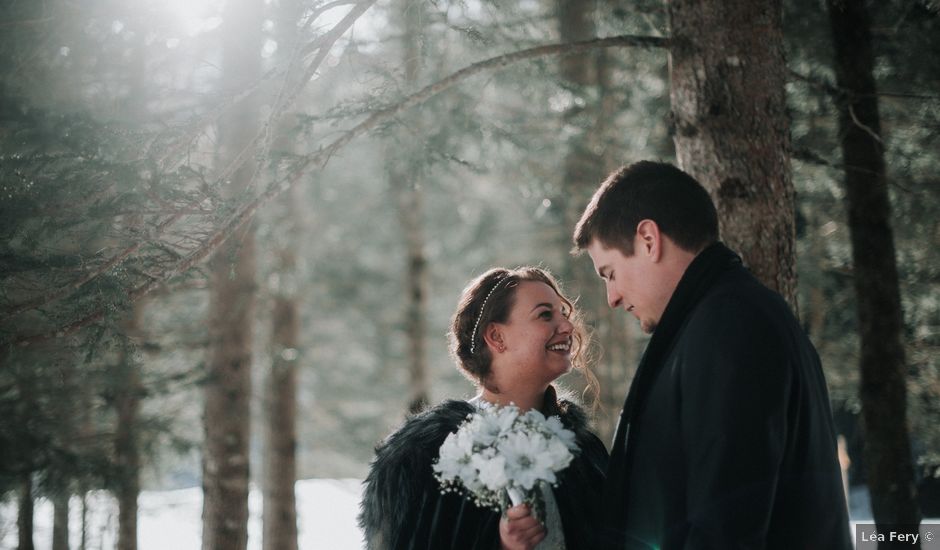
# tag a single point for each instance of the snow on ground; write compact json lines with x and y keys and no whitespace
{"x":171,"y":520}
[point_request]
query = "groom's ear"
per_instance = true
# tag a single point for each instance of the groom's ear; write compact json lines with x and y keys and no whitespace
{"x":648,"y":241}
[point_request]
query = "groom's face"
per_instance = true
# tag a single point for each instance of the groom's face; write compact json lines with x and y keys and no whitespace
{"x":633,"y":283}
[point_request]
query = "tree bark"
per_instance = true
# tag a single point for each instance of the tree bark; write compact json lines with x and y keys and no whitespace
{"x":588,"y":159}
{"x":410,"y":210}
{"x":131,"y":391}
{"x":727,"y":74}
{"x":616,"y":366}
{"x":280,"y":513}
{"x":83,"y":519}
{"x":24,"y":517}
{"x":60,"y":521}
{"x":231,"y":305}
{"x":279,"y":517}
{"x":883,"y":390}
{"x":585,"y":75}
{"x":583,"y":168}
{"x":126,"y":446}
{"x":405,"y":175}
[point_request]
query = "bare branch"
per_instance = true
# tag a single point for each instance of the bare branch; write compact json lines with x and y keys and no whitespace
{"x":26,"y":22}
{"x":322,"y":156}
{"x":818,"y":82}
{"x":493,"y":63}
{"x":866,"y":129}
{"x":831,"y":89}
{"x":326,"y":43}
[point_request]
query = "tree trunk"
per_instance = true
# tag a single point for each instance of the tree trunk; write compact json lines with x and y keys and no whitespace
{"x":66,"y":406}
{"x":727,"y":73}
{"x":60,"y":522}
{"x":83,"y":539}
{"x":24,"y":518}
{"x":131,"y":392}
{"x":231,"y":304}
{"x":86,"y":429}
{"x":404,"y":169}
{"x":279,"y":516}
{"x":616,"y":366}
{"x":126,"y":447}
{"x":583,"y":169}
{"x":586,"y":75}
{"x":410,"y":209}
{"x":883,"y":383}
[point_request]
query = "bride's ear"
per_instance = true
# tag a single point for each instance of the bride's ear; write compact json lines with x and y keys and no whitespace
{"x":493,"y":336}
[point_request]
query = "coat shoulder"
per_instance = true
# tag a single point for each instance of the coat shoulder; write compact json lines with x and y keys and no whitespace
{"x":572,"y":414}
{"x":739,"y":304}
{"x":400,"y":473}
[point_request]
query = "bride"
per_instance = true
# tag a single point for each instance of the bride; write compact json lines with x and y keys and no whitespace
{"x":513,"y":334}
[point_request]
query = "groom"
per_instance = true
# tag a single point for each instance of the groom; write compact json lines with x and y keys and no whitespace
{"x":726,"y":437}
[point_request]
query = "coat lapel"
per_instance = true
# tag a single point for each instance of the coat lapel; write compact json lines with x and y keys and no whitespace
{"x":698,"y":279}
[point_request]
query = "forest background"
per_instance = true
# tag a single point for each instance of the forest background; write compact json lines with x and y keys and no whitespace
{"x":233,"y":233}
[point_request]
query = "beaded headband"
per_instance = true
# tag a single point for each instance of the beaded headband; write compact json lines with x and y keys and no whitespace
{"x":473,"y":335}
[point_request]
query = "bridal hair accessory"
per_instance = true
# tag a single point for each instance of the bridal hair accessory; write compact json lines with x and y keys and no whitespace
{"x":473,"y":335}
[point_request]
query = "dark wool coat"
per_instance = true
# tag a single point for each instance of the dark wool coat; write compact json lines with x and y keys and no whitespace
{"x":726,"y":440}
{"x":403,"y":508}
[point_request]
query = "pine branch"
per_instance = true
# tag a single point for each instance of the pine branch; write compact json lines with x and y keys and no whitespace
{"x":69,"y":289}
{"x":830,"y":89}
{"x":818,"y":82}
{"x":320,"y":158}
{"x":176,"y":147}
{"x":326,"y":43}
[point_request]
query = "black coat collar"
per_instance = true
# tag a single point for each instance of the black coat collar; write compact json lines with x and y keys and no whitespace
{"x":701,"y":275}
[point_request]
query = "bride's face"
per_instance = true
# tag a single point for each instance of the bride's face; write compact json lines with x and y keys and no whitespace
{"x":534,"y":344}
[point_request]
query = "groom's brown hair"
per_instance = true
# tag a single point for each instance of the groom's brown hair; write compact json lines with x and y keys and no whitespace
{"x":657,"y":191}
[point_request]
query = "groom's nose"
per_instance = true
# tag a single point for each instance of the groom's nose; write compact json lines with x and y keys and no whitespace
{"x":614,"y":299}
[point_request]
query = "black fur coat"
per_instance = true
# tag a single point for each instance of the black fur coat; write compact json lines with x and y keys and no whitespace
{"x":403,"y":508}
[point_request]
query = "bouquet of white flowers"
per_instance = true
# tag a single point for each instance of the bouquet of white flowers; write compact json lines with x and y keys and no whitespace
{"x":499,"y":456}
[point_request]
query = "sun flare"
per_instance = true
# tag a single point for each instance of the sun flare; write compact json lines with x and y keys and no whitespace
{"x":195,"y":16}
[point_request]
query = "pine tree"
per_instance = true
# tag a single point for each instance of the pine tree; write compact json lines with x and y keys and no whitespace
{"x":883,"y":366}
{"x":404,"y":158}
{"x":279,"y":516}
{"x":232,"y":301}
{"x":727,"y":76}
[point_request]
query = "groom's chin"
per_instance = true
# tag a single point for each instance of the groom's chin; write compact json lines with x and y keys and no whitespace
{"x":648,"y":326}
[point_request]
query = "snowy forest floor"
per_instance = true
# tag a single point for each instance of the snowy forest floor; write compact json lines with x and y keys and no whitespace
{"x":326,"y":510}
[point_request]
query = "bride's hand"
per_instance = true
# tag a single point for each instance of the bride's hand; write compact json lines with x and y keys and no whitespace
{"x":519,"y":530}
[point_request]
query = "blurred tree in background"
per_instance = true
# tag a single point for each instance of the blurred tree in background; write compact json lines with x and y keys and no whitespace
{"x":883,"y":389}
{"x":374,"y":199}
{"x":905,"y":89}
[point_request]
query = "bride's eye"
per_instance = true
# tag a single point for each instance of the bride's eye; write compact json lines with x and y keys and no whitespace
{"x":546,"y":314}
